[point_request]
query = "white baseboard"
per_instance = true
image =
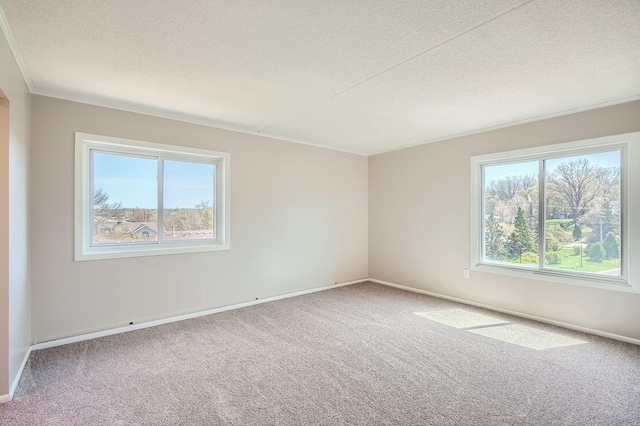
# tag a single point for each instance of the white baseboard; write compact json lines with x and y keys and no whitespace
{"x":14,"y":386}
{"x":118,"y":330}
{"x":514,"y":313}
{"x":8,"y":397}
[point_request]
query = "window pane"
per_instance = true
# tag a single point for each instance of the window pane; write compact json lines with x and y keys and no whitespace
{"x":125,"y":199}
{"x":189,"y":201}
{"x":510,"y":214}
{"x":582,"y":228}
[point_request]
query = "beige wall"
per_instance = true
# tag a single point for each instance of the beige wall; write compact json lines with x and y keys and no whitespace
{"x":298,"y":221}
{"x":14,"y":280}
{"x":4,"y":245}
{"x":419,"y":223}
{"x":302,"y":217}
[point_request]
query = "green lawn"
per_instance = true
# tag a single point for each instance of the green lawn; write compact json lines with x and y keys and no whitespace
{"x":557,"y":221}
{"x":571,"y":261}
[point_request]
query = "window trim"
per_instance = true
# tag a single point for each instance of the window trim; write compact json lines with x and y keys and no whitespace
{"x":629,"y":144}
{"x":83,"y":199}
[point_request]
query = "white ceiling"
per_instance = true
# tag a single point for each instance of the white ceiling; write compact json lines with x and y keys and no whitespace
{"x":362,"y":76}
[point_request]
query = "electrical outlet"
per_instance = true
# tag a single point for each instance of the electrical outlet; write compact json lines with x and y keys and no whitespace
{"x":465,"y":273}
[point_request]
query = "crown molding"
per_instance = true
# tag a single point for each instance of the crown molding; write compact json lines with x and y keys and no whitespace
{"x":177,"y":116}
{"x":203,"y":121}
{"x":6,"y":30}
{"x":533,"y":119}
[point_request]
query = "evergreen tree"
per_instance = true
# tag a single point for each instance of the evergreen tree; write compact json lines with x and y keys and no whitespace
{"x":522,"y":239}
{"x":597,"y":253}
{"x":494,"y":239}
{"x":610,"y":222}
{"x":577,"y":232}
{"x":611,"y":246}
{"x":514,"y":247}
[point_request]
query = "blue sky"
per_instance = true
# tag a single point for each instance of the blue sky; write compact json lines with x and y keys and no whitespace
{"x":132,"y":181}
{"x":497,"y":172}
{"x":602,"y":159}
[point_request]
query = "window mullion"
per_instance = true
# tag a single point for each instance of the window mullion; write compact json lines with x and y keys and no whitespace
{"x":216,"y":202}
{"x":541,"y":213}
{"x":90,"y":220}
{"x":160,"y":211}
{"x":483,"y":209}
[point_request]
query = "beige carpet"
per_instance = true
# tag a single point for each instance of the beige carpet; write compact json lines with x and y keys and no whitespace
{"x":356,"y":355}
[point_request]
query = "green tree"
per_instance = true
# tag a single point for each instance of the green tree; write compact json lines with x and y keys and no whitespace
{"x":579,"y":184}
{"x":507,"y":188}
{"x":597,"y":253}
{"x":577,"y":232}
{"x":557,"y":237}
{"x":522,"y":239}
{"x":611,"y":246}
{"x":494,"y":239}
{"x":610,"y":221}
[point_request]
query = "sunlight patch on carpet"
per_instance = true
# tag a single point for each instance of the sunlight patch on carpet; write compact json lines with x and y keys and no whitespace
{"x":459,"y":318}
{"x":527,"y":336}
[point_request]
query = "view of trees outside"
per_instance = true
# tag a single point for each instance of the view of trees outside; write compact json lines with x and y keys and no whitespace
{"x":511,"y":213}
{"x":125,"y":200}
{"x":188,"y":200}
{"x":581,"y":220}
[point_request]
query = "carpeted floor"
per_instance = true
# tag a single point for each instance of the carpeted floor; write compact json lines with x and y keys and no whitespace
{"x":356,"y":355}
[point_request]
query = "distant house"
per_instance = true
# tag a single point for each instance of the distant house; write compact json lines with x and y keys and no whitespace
{"x":146,"y":231}
{"x":149,"y":230}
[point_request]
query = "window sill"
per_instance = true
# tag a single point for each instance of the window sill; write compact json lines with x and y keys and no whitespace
{"x":99,"y":253}
{"x":611,"y":283}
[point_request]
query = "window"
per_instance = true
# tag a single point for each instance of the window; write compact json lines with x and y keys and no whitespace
{"x":562,"y":212}
{"x":138,"y":198}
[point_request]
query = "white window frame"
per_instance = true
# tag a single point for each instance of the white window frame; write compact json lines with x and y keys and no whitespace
{"x":85,"y":143}
{"x":629,"y":144}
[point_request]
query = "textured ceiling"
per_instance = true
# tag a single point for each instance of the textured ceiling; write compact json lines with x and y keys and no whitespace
{"x":363,"y":76}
